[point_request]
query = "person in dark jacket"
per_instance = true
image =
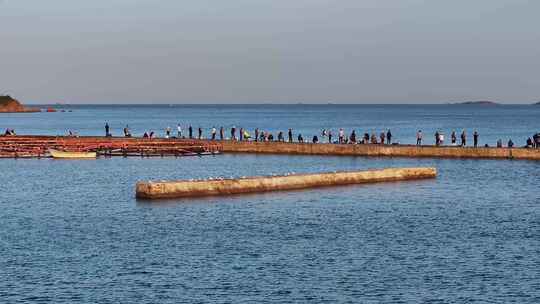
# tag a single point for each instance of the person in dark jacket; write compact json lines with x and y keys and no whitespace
{"x":352,"y":137}
{"x":190,"y":131}
{"x":389,"y":137}
{"x":233,"y":133}
{"x":475,"y":138}
{"x":280,"y":136}
{"x":290,"y":135}
{"x":536,"y":140}
{"x":530,"y":143}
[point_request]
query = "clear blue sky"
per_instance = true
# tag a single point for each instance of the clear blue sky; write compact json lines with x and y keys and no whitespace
{"x":255,"y":51}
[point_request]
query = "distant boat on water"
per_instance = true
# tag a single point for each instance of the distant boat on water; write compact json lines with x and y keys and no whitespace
{"x":477,"y":102}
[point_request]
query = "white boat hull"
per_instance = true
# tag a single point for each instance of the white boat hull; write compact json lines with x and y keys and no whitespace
{"x":66,"y":154}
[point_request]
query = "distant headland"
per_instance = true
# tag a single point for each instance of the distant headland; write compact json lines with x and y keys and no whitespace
{"x":11,"y":105}
{"x":477,"y":102}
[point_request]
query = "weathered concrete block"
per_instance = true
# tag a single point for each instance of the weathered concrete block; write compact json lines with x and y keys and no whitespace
{"x":183,"y":188}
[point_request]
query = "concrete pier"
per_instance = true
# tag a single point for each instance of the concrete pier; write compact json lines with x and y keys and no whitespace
{"x":36,"y":146}
{"x":184,"y":188}
{"x":378,"y":150}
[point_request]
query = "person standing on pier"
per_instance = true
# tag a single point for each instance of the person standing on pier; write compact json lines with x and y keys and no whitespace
{"x":419,"y":138}
{"x":200,"y":133}
{"x":213,"y":133}
{"x":463,"y":138}
{"x":329,"y":133}
{"x":510,"y":143}
{"x":221,"y":133}
{"x":256,"y":134}
{"x":453,"y":137}
{"x":341,"y":137}
{"x":168,"y":132}
{"x":389,"y":137}
{"x":437,"y":138}
{"x":475,"y":138}
{"x":127,"y":133}
{"x":107,"y":130}
{"x":382,"y":136}
{"x":190,"y":131}
{"x":241,"y":135}
{"x":280,"y":136}
{"x":300,"y":138}
{"x":233,"y":133}
{"x":179,"y":131}
{"x":290,"y":135}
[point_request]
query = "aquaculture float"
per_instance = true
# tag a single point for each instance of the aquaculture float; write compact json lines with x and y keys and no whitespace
{"x":47,"y":146}
{"x":219,"y":187}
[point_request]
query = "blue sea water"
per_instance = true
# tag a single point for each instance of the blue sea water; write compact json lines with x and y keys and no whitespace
{"x":73,"y":232}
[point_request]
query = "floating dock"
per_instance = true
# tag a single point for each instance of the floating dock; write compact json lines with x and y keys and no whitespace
{"x":185,"y":188}
{"x":39,"y":146}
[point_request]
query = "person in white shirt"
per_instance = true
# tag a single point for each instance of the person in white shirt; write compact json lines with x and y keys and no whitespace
{"x":214,"y":133}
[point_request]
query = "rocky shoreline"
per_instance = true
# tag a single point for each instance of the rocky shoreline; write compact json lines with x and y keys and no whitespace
{"x":11,"y":105}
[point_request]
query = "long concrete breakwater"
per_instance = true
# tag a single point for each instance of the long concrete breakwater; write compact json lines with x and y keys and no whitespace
{"x":378,"y":150}
{"x":187,"y":188}
{"x":36,"y":146}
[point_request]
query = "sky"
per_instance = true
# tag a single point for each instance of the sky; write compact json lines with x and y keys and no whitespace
{"x":270,"y":51}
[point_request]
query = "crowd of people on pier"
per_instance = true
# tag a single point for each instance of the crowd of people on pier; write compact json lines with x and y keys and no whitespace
{"x":326,"y":136}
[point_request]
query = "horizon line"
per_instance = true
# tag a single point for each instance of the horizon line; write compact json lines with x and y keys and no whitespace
{"x":473,"y":103}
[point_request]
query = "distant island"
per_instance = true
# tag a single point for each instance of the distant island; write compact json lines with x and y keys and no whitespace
{"x":537,"y":104}
{"x":11,"y":105}
{"x":479,"y":102}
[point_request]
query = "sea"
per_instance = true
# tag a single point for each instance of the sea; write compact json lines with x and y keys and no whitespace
{"x":72,"y":231}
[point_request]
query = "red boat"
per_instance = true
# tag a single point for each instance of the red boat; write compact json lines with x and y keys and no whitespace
{"x":51,"y":110}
